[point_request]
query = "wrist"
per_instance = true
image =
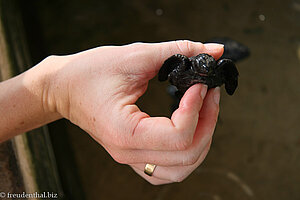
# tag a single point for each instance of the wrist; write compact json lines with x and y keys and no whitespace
{"x":39,"y":81}
{"x":56,"y":82}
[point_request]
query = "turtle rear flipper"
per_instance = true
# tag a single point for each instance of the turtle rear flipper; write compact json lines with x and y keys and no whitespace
{"x":230,"y":74}
{"x":170,"y":64}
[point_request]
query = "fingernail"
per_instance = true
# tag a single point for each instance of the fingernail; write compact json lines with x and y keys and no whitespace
{"x":217,"y":95}
{"x":203,"y":91}
{"x":211,"y":46}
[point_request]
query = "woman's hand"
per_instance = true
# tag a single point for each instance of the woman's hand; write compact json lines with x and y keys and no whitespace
{"x":97,"y":90}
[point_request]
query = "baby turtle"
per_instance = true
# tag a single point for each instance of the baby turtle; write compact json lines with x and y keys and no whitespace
{"x":183,"y":72}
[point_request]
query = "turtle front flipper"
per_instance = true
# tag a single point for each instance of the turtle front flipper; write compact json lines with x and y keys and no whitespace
{"x":170,"y":64}
{"x":229,"y":74}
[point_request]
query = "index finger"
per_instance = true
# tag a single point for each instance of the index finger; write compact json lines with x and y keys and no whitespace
{"x":161,"y":51}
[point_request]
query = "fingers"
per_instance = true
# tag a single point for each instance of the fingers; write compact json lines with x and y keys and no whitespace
{"x":161,"y":51}
{"x":160,"y":133}
{"x":163,"y":175}
{"x":153,"y":55}
{"x":203,"y":134}
{"x":166,"y":158}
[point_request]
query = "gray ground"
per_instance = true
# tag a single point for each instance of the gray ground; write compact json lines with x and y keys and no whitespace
{"x":256,"y":149}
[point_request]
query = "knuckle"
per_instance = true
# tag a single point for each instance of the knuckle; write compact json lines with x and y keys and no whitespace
{"x":119,"y":158}
{"x":50,"y":59}
{"x":191,"y":159}
{"x":138,"y":45}
{"x":182,"y":46}
{"x":186,"y":46}
{"x":184,"y":141}
{"x":182,"y":145}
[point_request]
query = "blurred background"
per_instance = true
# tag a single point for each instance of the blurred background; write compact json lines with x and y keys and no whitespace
{"x":256,"y":148}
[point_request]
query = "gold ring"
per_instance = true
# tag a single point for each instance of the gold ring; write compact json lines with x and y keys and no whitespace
{"x":149,"y":169}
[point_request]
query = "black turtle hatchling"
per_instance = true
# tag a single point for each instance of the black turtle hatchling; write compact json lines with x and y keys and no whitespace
{"x":183,"y":72}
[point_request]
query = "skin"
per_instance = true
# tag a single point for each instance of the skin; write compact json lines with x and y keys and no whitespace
{"x":97,"y":90}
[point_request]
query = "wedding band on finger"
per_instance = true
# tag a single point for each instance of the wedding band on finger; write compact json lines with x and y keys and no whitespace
{"x":149,"y":169}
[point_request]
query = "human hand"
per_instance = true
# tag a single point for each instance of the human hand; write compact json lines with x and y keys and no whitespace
{"x":97,"y":90}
